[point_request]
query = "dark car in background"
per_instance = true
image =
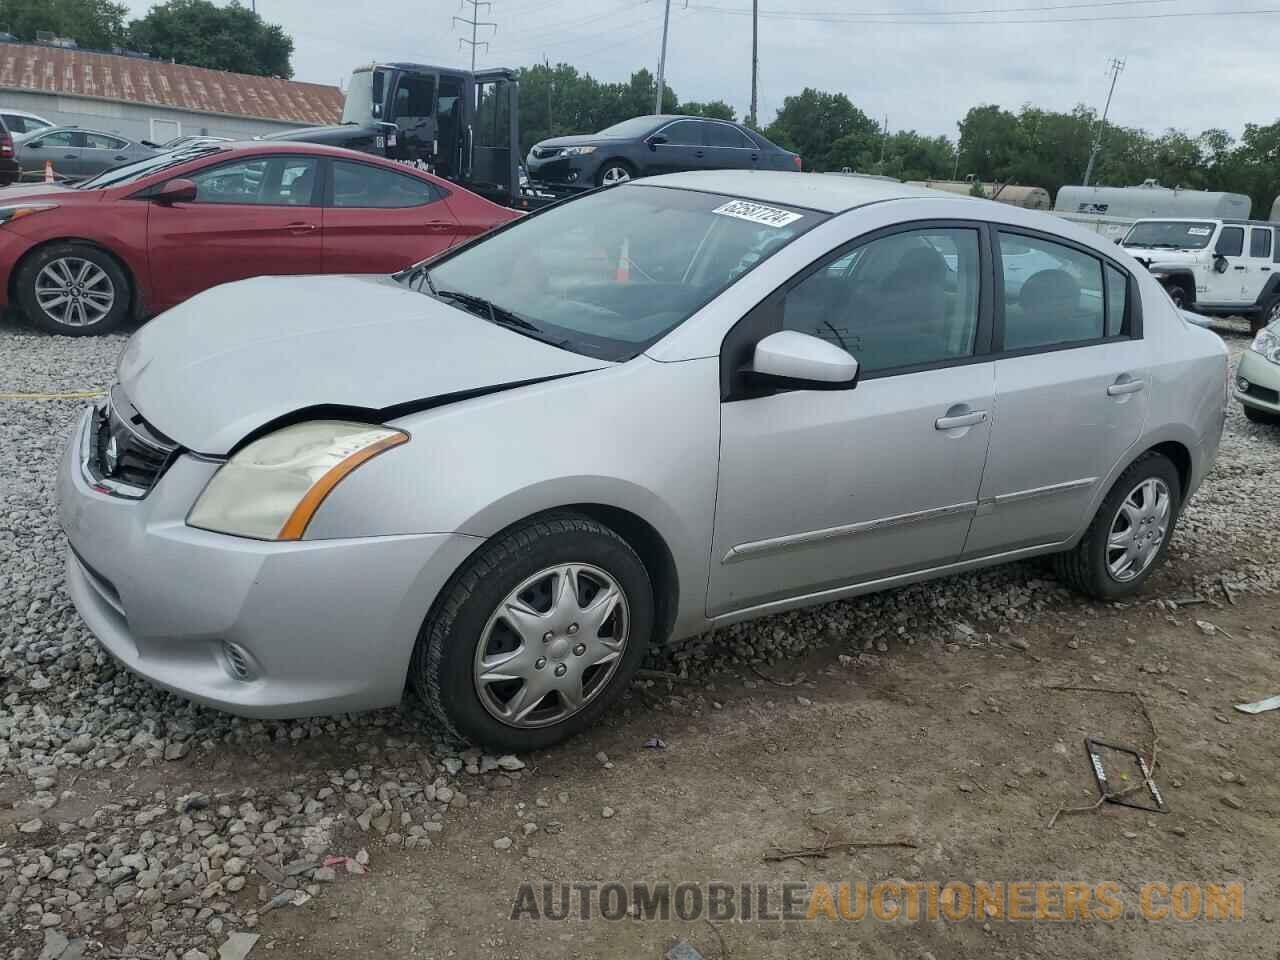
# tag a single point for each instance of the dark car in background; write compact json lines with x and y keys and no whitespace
{"x":9,"y":168}
{"x":644,"y":146}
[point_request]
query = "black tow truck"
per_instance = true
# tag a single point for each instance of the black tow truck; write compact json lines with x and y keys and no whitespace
{"x":456,"y":124}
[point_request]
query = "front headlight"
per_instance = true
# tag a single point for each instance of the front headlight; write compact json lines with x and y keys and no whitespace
{"x":1267,"y":343}
{"x":17,"y":212}
{"x":272,"y":488}
{"x":577,"y":151}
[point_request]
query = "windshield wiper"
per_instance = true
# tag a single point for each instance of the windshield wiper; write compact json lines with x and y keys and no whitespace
{"x":500,"y":316}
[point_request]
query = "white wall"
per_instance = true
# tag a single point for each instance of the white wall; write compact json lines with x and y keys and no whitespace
{"x":133,"y":121}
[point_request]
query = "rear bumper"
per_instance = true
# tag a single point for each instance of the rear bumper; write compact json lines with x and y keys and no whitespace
{"x":325,"y":626}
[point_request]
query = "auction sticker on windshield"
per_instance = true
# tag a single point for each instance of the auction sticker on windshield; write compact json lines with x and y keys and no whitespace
{"x":1199,"y":231}
{"x":757,"y":213}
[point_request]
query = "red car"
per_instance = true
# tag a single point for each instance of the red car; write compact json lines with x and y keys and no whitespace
{"x":147,"y":235}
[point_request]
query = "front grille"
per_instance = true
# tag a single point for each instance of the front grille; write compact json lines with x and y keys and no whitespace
{"x":127,"y":451}
{"x":1265,"y":394}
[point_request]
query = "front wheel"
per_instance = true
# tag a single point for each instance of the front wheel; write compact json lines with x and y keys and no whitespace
{"x":538,"y":634}
{"x":74,"y":289}
{"x":1268,"y":315}
{"x":613,"y":173}
{"x":1130,"y":533}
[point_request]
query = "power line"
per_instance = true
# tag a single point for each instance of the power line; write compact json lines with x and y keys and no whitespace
{"x":475,"y":23}
{"x":861,"y":19}
{"x":646,"y":20}
{"x":839,"y":14}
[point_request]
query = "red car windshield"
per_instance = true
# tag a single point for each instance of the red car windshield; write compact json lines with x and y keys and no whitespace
{"x":133,"y":172}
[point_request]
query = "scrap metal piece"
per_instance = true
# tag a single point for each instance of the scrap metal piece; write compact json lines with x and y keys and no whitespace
{"x":1261,"y":706}
{"x":1123,"y":796}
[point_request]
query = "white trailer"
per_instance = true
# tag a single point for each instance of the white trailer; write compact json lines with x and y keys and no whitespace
{"x":1111,"y":211}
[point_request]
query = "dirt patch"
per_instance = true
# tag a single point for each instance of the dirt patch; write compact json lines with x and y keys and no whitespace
{"x":958,"y":747}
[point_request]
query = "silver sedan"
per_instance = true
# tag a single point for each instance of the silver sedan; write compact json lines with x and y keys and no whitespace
{"x":500,"y":476}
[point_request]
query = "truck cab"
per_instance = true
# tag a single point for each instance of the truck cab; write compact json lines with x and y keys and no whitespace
{"x":1211,"y":266}
{"x":459,"y":125}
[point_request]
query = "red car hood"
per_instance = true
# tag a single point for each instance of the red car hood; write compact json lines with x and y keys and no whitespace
{"x":17,"y":192}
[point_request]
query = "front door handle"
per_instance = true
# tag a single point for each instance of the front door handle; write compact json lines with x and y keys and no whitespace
{"x":68,"y":156}
{"x":970,"y":419}
{"x":121,"y":156}
{"x":1122,"y":387}
{"x":1238,"y":268}
{"x":698,"y":153}
{"x":300,"y":228}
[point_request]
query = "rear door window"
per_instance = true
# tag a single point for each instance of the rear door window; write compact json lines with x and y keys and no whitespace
{"x":1053,"y":294}
{"x":1260,"y":242}
{"x":364,"y":185}
{"x":723,"y":135}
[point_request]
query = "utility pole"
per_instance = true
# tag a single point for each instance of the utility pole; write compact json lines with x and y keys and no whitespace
{"x":1116,"y":67}
{"x":475,"y":23}
{"x":884,"y":142}
{"x":551,"y":126}
{"x":755,"y":61}
{"x":662,"y":58}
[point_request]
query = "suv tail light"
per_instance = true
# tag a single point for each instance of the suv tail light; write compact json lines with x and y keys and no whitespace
{"x":6,"y":145}
{"x":798,"y":162}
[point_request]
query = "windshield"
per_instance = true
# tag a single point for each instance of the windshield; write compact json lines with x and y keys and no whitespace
{"x":133,"y":172}
{"x":635,"y":127}
{"x":611,"y":273}
{"x":358,"y":107}
{"x":1170,"y":234}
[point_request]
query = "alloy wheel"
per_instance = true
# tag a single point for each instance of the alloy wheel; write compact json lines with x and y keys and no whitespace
{"x":74,"y":292}
{"x":552,"y":645}
{"x":615,"y":175}
{"x":1138,"y":529}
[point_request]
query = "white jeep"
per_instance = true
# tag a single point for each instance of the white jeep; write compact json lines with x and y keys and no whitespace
{"x":1213,"y":267}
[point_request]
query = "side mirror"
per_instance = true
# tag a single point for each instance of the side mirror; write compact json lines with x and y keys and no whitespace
{"x":176,"y":191}
{"x":35,"y":146}
{"x":789,"y":358}
{"x":1219,"y":263}
{"x":377,"y":111}
{"x":656,"y":139}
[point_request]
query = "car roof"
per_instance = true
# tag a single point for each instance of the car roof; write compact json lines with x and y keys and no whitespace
{"x":825,"y":194}
{"x":22,"y":113}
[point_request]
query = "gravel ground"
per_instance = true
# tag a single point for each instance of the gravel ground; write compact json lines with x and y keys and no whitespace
{"x":133,"y":822}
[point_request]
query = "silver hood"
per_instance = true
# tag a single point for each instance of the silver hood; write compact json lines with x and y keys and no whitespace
{"x":236,"y":357}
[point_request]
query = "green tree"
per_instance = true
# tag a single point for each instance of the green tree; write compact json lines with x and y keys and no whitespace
{"x":97,"y":24}
{"x":826,"y":129}
{"x":202,"y":34}
{"x":716,"y":109}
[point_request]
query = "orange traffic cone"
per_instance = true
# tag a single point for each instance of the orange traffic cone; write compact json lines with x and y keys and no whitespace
{"x":623,"y":273}
{"x":48,"y":171}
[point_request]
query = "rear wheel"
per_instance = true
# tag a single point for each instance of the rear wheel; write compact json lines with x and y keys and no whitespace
{"x":73,"y":289}
{"x":614,"y":172}
{"x":1130,"y":533}
{"x":537,"y":635}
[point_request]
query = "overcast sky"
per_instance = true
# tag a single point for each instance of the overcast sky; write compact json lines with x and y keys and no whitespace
{"x":1190,"y":72}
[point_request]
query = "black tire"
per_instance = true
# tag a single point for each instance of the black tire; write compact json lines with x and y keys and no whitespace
{"x":602,"y":175}
{"x":115,"y":276}
{"x":1084,"y":568}
{"x":1267,"y":313}
{"x":441,"y":671}
{"x":1259,"y":416}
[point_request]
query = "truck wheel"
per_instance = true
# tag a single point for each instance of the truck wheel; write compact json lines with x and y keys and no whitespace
{"x":614,"y":172}
{"x":1269,"y":314}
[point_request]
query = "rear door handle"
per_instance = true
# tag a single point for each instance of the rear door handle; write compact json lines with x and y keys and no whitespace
{"x":697,"y":153}
{"x":973,"y":418}
{"x":121,"y":156}
{"x":1122,"y":387}
{"x":300,"y":227}
{"x":1265,"y":269}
